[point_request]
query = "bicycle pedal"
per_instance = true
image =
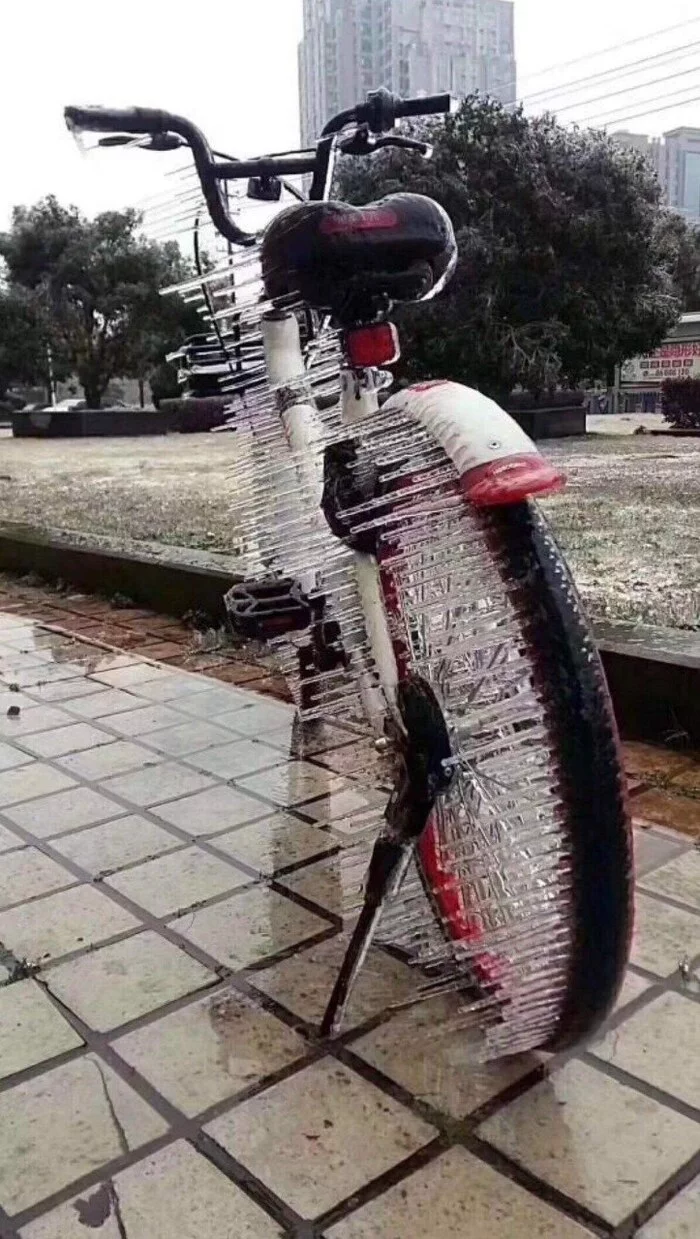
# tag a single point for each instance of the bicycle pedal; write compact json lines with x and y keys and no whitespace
{"x":262,"y":609}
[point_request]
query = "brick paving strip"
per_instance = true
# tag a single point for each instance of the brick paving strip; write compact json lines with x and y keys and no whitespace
{"x":178,"y":871}
{"x":142,"y":632}
{"x":664,"y":783}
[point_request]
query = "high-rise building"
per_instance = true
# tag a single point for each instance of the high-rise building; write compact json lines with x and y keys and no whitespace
{"x":681,"y":171}
{"x":676,"y":160}
{"x":412,"y":47}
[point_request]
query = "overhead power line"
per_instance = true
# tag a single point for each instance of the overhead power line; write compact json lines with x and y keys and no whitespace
{"x":627,"y":69}
{"x":619,"y":120}
{"x":604,"y":51}
{"x":627,"y":90}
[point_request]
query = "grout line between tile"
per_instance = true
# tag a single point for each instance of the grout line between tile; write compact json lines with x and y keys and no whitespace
{"x":151,"y":811}
{"x":180,"y":1125}
{"x":376,"y":1187}
{"x":160,"y":924}
{"x":7,"y":1229}
{"x":21,"y":903}
{"x":257,"y":699}
{"x":308,"y":904}
{"x":244,"y":983}
{"x":665,"y":899}
{"x":92,"y":1178}
{"x":100,"y":1043}
{"x":658,"y":1199}
{"x":463,"y":1133}
{"x":631,"y":1008}
{"x":38,"y":1069}
{"x":237,"y":1173}
{"x":312,"y":1054}
{"x":535,"y":1186}
{"x":206,"y":842}
{"x":641,"y":1086}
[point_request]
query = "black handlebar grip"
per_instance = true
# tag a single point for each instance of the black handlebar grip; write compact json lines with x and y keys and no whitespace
{"x":117,"y":120}
{"x":427,"y":106}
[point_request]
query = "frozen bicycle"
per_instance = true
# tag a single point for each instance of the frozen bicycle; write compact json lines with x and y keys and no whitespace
{"x":408,"y":576}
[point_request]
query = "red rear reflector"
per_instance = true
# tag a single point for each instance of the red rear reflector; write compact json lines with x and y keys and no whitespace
{"x":377,"y":345}
{"x":510,"y":480}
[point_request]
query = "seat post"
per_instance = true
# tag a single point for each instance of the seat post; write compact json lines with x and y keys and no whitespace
{"x":359,"y":394}
{"x":365,"y":348}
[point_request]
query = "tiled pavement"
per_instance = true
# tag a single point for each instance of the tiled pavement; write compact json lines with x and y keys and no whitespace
{"x":174,"y":895}
{"x":668,"y":783}
{"x":121,"y":624}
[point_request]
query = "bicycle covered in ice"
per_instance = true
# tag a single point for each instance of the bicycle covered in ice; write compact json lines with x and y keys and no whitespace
{"x":407,"y":577}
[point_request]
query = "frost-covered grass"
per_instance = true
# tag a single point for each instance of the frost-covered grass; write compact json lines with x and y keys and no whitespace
{"x":629,"y":523}
{"x":629,"y":520}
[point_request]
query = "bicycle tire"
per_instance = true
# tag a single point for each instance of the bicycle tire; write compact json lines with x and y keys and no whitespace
{"x":595,"y":837}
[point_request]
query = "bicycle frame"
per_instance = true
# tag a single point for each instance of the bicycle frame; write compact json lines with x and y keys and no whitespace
{"x":474,"y":432}
{"x":359,"y":399}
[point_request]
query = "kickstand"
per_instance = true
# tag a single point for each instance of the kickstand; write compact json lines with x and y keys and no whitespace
{"x":387,"y":867}
{"x":426,"y":750}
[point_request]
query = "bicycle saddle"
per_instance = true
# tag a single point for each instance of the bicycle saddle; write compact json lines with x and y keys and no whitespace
{"x":353,"y":262}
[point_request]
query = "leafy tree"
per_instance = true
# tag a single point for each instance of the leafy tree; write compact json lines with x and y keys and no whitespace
{"x":565,"y":267}
{"x":93,"y":287}
{"x":680,"y":400}
{"x":23,"y":357}
{"x":164,"y":383}
{"x":681,"y":243}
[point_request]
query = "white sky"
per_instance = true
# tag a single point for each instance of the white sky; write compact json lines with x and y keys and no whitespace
{"x":232,"y":68}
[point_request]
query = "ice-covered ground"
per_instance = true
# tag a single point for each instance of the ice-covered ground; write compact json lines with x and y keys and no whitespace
{"x":629,"y":520}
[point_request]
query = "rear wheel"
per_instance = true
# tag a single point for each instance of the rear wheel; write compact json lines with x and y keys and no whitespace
{"x":521,"y":884}
{"x":526,"y":862}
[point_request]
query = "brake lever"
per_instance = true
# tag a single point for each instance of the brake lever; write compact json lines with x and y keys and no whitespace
{"x":363,"y":142}
{"x":425,"y":149}
{"x":156,"y":142}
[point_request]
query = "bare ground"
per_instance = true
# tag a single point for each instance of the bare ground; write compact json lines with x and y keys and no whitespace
{"x":629,"y":521}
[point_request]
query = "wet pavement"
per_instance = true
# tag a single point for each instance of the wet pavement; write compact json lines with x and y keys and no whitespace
{"x":178,"y":872}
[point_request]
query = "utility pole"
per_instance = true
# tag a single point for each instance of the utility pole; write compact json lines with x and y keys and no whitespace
{"x":52,"y":376}
{"x":616,"y":394}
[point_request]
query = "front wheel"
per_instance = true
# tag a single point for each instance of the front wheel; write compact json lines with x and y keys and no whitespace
{"x":526,"y":863}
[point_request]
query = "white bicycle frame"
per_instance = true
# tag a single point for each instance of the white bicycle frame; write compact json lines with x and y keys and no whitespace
{"x":473,"y":431}
{"x":285,"y":368}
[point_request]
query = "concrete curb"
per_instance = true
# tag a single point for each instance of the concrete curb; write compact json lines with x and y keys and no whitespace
{"x":654,"y":678}
{"x":169,"y":588}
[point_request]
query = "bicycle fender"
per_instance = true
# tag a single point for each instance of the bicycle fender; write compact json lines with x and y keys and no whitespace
{"x":497,"y":462}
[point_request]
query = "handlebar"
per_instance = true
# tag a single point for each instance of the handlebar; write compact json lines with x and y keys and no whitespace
{"x":431,"y":105}
{"x":382,"y":110}
{"x":151,"y":122}
{"x":379,"y":114}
